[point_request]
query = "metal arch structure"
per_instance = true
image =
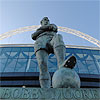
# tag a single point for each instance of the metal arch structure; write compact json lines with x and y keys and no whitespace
{"x":63,"y":29}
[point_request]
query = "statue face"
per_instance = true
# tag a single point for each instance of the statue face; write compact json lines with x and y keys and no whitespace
{"x":45,"y":21}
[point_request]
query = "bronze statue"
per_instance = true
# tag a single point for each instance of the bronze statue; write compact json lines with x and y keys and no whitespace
{"x":48,"y":41}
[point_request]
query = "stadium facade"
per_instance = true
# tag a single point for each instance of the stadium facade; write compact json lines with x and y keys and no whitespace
{"x":19,"y":68}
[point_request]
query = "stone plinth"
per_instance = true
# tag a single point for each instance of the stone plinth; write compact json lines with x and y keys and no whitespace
{"x":49,"y":94}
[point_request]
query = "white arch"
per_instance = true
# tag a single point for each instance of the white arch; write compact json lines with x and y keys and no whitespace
{"x":63,"y":29}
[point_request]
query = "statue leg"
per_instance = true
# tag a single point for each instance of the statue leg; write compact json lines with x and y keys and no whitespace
{"x":59,"y":49}
{"x":60,"y":55}
{"x":44,"y":78}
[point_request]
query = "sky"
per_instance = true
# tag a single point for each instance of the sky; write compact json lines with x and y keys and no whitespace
{"x":81,"y":15}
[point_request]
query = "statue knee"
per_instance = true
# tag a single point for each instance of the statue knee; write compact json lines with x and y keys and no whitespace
{"x":44,"y":76}
{"x":58,"y":41}
{"x":42,"y":63}
{"x":42,"y":66}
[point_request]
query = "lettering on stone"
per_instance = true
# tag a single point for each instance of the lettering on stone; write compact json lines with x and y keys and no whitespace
{"x":49,"y":93}
{"x":6,"y":93}
{"x":77,"y":94}
{"x":67,"y":93}
{"x":25,"y":93}
{"x":16,"y":93}
{"x":95,"y":93}
{"x":35,"y":94}
{"x":87,"y":94}
{"x":57,"y":93}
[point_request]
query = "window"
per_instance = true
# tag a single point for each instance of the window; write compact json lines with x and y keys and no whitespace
{"x":52,"y":65}
{"x":32,"y":65}
{"x":96,"y":54}
{"x":82,"y":66}
{"x":15,"y":52}
{"x":10,"y":66}
{"x":78,"y":54}
{"x":91,"y":67}
{"x":24,"y":53}
{"x":1,"y":49}
{"x":21,"y":65}
{"x":2,"y":64}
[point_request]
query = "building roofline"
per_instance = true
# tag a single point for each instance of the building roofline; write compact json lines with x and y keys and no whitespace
{"x":32,"y":45}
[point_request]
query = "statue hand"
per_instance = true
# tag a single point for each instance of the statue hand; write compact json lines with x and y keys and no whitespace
{"x":53,"y":27}
{"x":50,"y":27}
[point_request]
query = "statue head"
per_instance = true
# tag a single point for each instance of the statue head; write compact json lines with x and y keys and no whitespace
{"x":45,"y":21}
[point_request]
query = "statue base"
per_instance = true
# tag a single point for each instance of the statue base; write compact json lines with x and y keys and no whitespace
{"x":49,"y":94}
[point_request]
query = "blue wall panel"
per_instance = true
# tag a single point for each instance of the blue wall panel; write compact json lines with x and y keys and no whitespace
{"x":23,"y":59}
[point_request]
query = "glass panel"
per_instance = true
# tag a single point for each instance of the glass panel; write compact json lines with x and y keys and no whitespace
{"x":78,"y":54}
{"x":32,"y":55}
{"x":52,"y":69}
{"x":15,"y":52}
{"x":14,"y":55}
{"x":96,"y":54}
{"x":51,"y":56}
{"x":92,"y":67}
{"x":88,"y":57}
{"x":5,"y":52}
{"x":1,"y":50}
{"x":25,"y":49}
{"x":52,"y":63}
{"x":32,"y":65}
{"x":87,"y":54}
{"x":86,"y":51}
{"x":69,"y":50}
{"x":16,"y":49}
{"x":24,"y":55}
{"x":78,"y":51}
{"x":82,"y":67}
{"x":97,"y":65}
{"x":2,"y":64}
{"x":24,"y":52}
{"x":32,"y":69}
{"x":7,"y":49}
{"x":96,"y":57}
{"x":21,"y":65}
{"x":68,"y":55}
{"x":38,"y":69}
{"x":10,"y":66}
{"x":31,"y":49}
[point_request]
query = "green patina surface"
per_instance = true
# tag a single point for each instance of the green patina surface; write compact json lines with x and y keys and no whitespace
{"x":49,"y":94}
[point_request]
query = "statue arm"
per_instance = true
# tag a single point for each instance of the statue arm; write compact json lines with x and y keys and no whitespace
{"x":45,"y":28}
{"x":39,"y":31}
{"x":51,"y":27}
{"x":54,"y":27}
